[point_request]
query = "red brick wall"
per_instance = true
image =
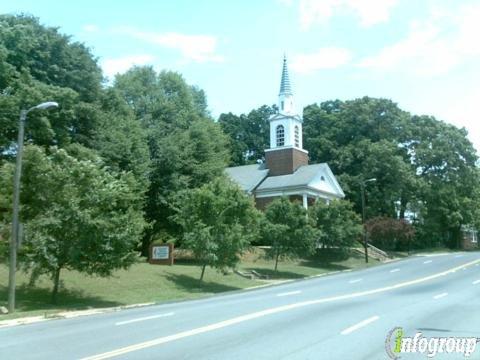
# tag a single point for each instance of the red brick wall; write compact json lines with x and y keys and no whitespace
{"x":285,"y":161}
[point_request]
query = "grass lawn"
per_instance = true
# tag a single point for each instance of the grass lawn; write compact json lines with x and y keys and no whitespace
{"x":144,"y":283}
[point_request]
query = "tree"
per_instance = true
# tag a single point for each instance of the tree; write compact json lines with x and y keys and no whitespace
{"x":425,"y":168}
{"x":186,"y":148}
{"x":249,"y":134}
{"x":185,"y":159}
{"x":77,"y":215}
{"x":39,"y":64}
{"x":337,"y":224}
{"x":218,"y":222}
{"x":390,"y":234}
{"x":287,"y":231}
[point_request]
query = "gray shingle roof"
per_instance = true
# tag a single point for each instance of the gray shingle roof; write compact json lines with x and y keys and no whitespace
{"x":248,"y":176}
{"x":316,"y":176}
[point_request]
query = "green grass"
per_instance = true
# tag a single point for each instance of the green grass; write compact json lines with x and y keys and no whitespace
{"x":144,"y":283}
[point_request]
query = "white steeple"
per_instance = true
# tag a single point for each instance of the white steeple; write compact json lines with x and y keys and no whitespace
{"x":286,"y":126}
{"x":285,"y":96}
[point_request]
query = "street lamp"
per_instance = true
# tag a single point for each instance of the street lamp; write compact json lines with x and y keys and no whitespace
{"x":362,"y":187}
{"x":16,"y":201}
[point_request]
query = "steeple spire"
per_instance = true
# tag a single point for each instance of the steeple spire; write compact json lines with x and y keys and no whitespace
{"x":285,"y":88}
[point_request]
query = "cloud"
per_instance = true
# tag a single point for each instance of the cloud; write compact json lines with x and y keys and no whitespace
{"x":324,"y":58}
{"x":111,"y":67}
{"x":197,"y":48}
{"x":91,"y":28}
{"x":434,"y":46}
{"x":369,"y":12}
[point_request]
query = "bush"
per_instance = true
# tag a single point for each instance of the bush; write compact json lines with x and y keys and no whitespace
{"x":390,"y":234}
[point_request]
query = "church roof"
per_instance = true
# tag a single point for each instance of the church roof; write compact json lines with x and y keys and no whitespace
{"x":285,"y":87}
{"x":247,"y":176}
{"x":316,"y":177}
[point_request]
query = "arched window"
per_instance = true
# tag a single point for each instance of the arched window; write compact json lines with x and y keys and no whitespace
{"x":297,"y":136}
{"x":280,"y":135}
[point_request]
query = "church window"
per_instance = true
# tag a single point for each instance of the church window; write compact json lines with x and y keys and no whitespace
{"x":280,"y":135}
{"x":297,"y":136}
{"x":281,"y":105}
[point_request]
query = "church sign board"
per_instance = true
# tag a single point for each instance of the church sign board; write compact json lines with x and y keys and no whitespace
{"x":161,"y":254}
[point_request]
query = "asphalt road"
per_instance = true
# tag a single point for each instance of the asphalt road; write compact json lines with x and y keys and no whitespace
{"x":342,"y":316}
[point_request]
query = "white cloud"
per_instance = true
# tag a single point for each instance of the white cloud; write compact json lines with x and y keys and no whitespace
{"x":463,"y":111}
{"x":324,"y":58}
{"x":111,"y":67}
{"x":369,"y":12}
{"x":198,"y":48}
{"x":434,"y":46}
{"x":91,"y":28}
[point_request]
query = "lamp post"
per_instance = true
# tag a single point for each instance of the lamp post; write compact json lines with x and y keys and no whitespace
{"x":362,"y":188}
{"x":16,"y":201}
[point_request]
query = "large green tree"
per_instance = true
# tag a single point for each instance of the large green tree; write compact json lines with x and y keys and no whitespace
{"x":287,"y":230}
{"x":424,"y":168}
{"x":77,"y":215}
{"x":338,"y":225}
{"x":249,"y":134}
{"x":187,"y":148}
{"x":38,"y":63}
{"x":219,"y":221}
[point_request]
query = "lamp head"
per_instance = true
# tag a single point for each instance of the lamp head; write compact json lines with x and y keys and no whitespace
{"x":46,"y":105}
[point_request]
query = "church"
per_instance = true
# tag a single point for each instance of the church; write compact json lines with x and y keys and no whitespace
{"x":285,"y":171}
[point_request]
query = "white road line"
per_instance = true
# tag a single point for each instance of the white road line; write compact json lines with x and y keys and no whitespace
{"x":457,"y":256}
{"x":271,"y":311}
{"x":439,"y":296}
{"x":359,"y":325}
{"x":289,"y":293}
{"x":355,"y":281}
{"x":144,"y":318}
{"x":427,"y":262}
{"x":394,"y":270}
{"x":476,"y":282}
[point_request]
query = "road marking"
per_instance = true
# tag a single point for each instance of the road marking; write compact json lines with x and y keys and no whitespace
{"x":359,"y":325}
{"x":271,"y":311}
{"x":144,"y":318}
{"x":394,"y":270}
{"x":355,"y":281}
{"x":289,"y":293}
{"x":458,"y":256}
{"x":476,"y":282}
{"x":427,"y":262}
{"x":439,"y":296}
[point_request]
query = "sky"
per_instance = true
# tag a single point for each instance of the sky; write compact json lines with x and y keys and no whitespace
{"x":422,"y":54}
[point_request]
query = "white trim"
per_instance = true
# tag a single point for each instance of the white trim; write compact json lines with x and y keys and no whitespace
{"x":296,"y":191}
{"x":287,"y":147}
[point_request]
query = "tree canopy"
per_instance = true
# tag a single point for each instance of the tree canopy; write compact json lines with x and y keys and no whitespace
{"x":76,"y":214}
{"x":219,"y":222}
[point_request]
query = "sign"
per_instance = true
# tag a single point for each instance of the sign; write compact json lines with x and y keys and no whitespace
{"x":161,"y":254}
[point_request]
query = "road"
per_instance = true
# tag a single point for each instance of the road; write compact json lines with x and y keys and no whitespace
{"x":342,"y":316}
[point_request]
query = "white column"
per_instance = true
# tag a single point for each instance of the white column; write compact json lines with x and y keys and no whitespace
{"x":305,"y":201}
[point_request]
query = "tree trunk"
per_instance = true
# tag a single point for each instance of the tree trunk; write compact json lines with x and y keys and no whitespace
{"x":56,"y":282}
{"x":203,"y":271}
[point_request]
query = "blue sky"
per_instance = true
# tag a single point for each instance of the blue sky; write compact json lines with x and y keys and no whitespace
{"x":422,"y":54}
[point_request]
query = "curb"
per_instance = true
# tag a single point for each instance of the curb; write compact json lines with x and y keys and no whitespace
{"x":68,"y":315}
